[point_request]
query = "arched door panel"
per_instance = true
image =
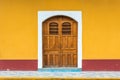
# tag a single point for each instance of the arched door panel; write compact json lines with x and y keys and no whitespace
{"x":59,"y":42}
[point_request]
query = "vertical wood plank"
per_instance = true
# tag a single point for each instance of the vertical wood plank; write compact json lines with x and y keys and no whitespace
{"x":48,"y":60}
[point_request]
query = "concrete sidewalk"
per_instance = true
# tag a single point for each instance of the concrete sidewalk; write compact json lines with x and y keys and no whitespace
{"x":82,"y":74}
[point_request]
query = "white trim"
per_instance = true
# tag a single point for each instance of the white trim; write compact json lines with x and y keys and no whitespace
{"x":43,"y":15}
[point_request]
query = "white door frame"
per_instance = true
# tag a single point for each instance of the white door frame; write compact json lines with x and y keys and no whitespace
{"x":43,"y":15}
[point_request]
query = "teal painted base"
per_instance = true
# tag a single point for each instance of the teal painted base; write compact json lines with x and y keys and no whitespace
{"x":60,"y":70}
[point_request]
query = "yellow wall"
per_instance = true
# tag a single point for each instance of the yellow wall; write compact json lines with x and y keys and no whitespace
{"x":18,"y":27}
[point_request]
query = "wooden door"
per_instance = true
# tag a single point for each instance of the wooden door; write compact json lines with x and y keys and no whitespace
{"x":59,"y":42}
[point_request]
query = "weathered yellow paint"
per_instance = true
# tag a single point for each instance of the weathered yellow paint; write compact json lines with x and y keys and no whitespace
{"x":19,"y":27}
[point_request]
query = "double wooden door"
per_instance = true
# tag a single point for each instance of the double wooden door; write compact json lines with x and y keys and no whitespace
{"x":59,"y":42}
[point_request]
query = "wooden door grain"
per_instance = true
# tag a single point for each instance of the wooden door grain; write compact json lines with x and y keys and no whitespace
{"x":59,"y":42}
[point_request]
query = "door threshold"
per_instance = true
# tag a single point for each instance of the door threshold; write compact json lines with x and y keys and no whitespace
{"x":60,"y":70}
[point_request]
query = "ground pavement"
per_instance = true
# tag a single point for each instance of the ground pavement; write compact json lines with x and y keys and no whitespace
{"x":44,"y":75}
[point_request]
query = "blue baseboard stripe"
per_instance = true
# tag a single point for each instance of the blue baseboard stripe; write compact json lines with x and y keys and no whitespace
{"x":59,"y":70}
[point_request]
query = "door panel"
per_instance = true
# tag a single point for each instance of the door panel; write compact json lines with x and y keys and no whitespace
{"x":69,"y":58}
{"x":68,"y":42}
{"x":54,"y":42}
{"x":51,"y":58}
{"x":59,"y":42}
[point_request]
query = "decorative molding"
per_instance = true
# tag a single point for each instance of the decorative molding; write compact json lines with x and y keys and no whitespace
{"x":43,"y":15}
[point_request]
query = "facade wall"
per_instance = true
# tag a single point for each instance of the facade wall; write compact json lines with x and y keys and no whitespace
{"x":100,"y":29}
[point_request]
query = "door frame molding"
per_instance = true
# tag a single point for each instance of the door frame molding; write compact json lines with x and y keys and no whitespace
{"x":43,"y":15}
